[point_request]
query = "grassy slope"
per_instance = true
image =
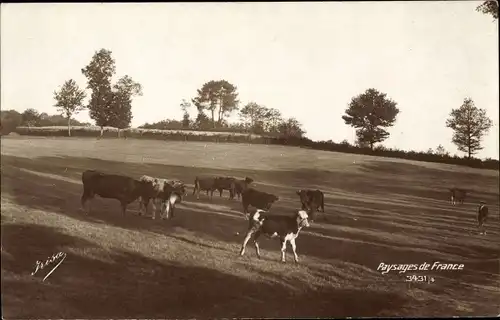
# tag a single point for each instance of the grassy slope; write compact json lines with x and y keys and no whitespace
{"x":378,"y":210}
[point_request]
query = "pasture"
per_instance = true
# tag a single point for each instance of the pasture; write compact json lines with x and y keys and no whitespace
{"x":377,"y":210}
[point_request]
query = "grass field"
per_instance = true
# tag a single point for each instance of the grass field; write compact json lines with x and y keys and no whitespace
{"x":377,"y":210}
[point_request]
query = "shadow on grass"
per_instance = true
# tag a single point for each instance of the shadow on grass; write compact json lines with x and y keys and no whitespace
{"x":128,"y":285}
{"x":63,"y":197}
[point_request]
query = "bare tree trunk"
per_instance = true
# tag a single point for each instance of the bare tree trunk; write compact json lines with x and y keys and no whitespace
{"x":69,"y":126}
{"x":102,"y":131}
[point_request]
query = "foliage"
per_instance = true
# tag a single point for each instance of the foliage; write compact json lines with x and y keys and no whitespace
{"x":30,"y":117}
{"x":291,"y":127}
{"x":9,"y":120}
{"x":186,"y":121}
{"x":109,"y":105}
{"x":69,"y":100}
{"x":369,"y":113}
{"x":121,"y":102}
{"x":99,"y":73}
{"x":469,"y":124}
{"x":489,"y":7}
{"x":253,"y":116}
{"x":219,"y":98}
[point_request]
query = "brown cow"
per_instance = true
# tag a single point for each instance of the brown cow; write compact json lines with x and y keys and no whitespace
{"x":457,"y":195}
{"x":210,"y":184}
{"x":112,"y":186}
{"x":257,"y":199}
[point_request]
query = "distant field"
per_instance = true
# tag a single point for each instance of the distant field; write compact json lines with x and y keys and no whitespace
{"x":377,"y":210}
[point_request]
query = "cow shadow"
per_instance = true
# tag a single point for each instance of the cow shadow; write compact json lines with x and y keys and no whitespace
{"x":51,"y":184}
{"x":136,"y":286}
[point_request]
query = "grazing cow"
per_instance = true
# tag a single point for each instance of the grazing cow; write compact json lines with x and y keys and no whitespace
{"x":226,"y":183}
{"x":287,"y":228}
{"x":258,"y":199}
{"x":214,"y":183}
{"x":160,"y":190}
{"x":312,"y":201}
{"x":457,"y":195}
{"x":112,"y":186}
{"x":241,"y":185}
{"x":482,"y":216}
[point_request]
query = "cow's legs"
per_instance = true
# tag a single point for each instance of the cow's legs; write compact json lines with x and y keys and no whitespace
{"x":143,"y":204}
{"x":86,"y":196}
{"x":153,"y":207}
{"x":256,"y":243}
{"x":294,"y":249}
{"x":124,"y":207}
{"x":243,"y":246}
{"x":220,"y":192}
{"x":283,"y":249}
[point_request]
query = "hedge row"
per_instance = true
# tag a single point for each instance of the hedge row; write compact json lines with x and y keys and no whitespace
{"x":185,"y":135}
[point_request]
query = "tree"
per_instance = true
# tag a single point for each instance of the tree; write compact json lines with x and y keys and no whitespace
{"x":219,"y":98}
{"x":69,"y":101}
{"x":489,"y":7}
{"x":202,"y":122}
{"x":441,"y":151}
{"x":291,"y":128}
{"x":469,"y":124}
{"x":273,"y":119}
{"x":186,"y":121}
{"x":30,"y":117}
{"x":99,"y":73}
{"x":253,"y":116}
{"x":9,"y":120}
{"x":369,"y":113}
{"x":120,"y":107}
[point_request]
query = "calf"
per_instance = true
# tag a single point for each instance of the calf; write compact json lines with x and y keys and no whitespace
{"x":160,"y":190}
{"x":258,"y":199}
{"x":172,"y":196}
{"x":285,"y":227}
{"x":482,"y":216}
{"x":112,"y":186}
{"x":312,"y":201}
{"x":457,"y":196}
{"x":242,"y":185}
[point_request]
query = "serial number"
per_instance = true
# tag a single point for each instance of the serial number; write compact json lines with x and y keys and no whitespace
{"x":416,"y":278}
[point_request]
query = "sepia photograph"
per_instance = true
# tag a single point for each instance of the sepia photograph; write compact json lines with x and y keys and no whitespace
{"x":217,"y":160}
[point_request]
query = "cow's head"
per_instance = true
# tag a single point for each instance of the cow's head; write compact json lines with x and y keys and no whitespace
{"x":302,"y":219}
{"x":248,"y":180}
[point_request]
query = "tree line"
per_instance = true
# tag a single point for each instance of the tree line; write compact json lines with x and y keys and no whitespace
{"x":370,"y":113}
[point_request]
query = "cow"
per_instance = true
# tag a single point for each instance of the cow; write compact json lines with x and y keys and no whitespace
{"x":241,"y":185}
{"x":258,"y":199}
{"x":482,"y":216}
{"x":112,"y":186}
{"x":159,"y":190}
{"x":226,"y":183}
{"x":287,"y":228}
{"x":312,"y":201}
{"x":214,"y":183}
{"x":457,"y":195}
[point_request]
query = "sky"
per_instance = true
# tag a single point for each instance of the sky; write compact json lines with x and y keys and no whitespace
{"x":306,"y":59}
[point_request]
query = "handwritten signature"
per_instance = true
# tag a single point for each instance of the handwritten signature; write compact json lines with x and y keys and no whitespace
{"x":39,"y":265}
